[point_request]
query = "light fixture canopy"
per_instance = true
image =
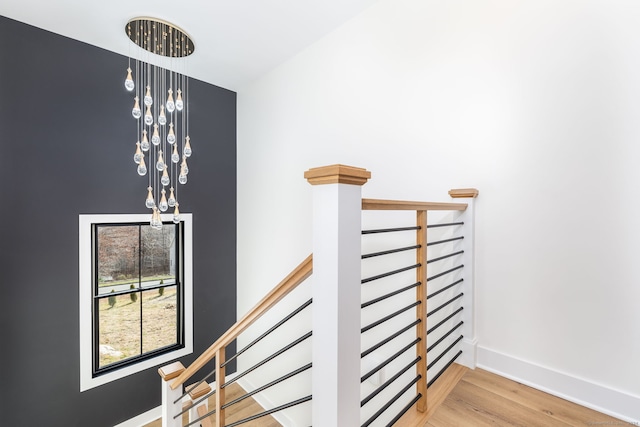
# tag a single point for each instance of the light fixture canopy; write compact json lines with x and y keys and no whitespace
{"x":160,"y":37}
{"x":161,"y":111}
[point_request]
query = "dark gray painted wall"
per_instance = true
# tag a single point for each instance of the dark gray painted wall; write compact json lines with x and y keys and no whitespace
{"x":66,"y":145}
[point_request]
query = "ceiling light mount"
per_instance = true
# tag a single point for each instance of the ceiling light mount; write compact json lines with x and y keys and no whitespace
{"x":160,"y":37}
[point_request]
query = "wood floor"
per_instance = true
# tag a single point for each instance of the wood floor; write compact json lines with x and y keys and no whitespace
{"x":484,"y":399}
{"x":479,"y":399}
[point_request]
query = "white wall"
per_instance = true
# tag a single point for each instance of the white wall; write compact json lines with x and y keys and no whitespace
{"x":534,"y":102}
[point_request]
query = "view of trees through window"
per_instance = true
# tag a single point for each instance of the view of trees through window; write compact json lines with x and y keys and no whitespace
{"x":136,"y":292}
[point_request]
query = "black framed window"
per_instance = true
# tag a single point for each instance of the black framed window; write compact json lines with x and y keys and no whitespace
{"x":138,"y":294}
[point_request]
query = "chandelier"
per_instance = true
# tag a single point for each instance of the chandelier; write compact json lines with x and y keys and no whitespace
{"x":161,"y":111}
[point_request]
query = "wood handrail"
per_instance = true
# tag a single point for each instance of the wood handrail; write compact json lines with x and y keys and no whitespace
{"x":404,"y":205}
{"x":289,"y":283}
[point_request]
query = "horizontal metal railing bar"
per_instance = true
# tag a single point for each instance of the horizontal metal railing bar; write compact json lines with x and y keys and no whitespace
{"x":390,"y":230}
{"x":267,"y":359}
{"x":266,"y":333}
{"x":390,"y":316}
{"x":442,"y":338}
{"x":197,"y":402}
{"x":390,"y":273}
{"x":390,"y":294}
{"x":446,"y":350}
{"x":429,"y":261}
{"x":390,"y":251}
{"x":443,"y":321}
{"x":388,"y":382}
{"x":389,"y":338}
{"x":404,"y":410}
{"x":389,"y":360}
{"x":435,"y":310}
{"x":266,"y":386}
{"x":434,"y":293}
{"x":271,"y":411}
{"x":438,"y":242}
{"x":444,"y":368}
{"x":444,"y":273}
{"x":392,"y":401}
{"x":447,"y":224}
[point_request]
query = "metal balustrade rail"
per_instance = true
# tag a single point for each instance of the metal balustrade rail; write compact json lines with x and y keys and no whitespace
{"x":408,"y":355}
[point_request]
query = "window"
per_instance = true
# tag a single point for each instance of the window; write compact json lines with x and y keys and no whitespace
{"x":135,"y":295}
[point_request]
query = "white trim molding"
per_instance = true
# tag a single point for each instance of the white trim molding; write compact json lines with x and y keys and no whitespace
{"x":87,"y":381}
{"x":586,"y":393}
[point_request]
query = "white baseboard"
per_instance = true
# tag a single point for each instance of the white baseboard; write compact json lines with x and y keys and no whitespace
{"x":606,"y":400}
{"x":266,"y":403}
{"x":469,"y":356}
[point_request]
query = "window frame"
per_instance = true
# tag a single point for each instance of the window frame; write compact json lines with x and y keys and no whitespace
{"x":90,"y":376}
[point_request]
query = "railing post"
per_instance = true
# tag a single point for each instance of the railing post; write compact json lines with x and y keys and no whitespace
{"x":169,"y":395}
{"x":470,"y":342}
{"x":337,"y":204}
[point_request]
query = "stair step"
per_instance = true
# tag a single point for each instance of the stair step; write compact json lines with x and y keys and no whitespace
{"x":205,"y":422}
{"x":199,"y":391}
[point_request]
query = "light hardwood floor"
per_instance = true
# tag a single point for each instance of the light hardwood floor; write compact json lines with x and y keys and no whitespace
{"x":484,"y":399}
{"x":479,"y":399}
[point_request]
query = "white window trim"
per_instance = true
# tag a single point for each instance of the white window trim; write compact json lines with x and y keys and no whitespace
{"x":87,"y":381}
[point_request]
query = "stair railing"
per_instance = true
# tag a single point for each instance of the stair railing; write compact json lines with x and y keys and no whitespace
{"x":174,"y":376}
{"x":337,"y":373}
{"x":390,"y":304}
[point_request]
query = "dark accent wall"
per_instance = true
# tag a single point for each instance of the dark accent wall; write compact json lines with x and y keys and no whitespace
{"x":66,"y":144}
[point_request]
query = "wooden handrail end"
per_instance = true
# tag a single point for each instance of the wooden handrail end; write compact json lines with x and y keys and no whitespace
{"x":458,"y":193}
{"x":171,"y":371}
{"x":337,"y":174}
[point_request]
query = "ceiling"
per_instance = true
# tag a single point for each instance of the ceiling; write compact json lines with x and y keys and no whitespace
{"x":236,"y":41}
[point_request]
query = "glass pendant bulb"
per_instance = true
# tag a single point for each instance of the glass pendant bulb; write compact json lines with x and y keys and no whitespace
{"x":165,"y":177}
{"x":179,"y":103}
{"x":175,"y":157}
{"x":182,"y":179}
{"x":148,"y":100}
{"x":171,"y":136}
{"x":128,"y":82}
{"x":172,"y":199}
{"x":162,"y":119}
{"x":149,"y":203}
{"x":148,"y":118}
{"x":160,"y":162}
{"x":163,"y":205}
{"x":155,"y":137}
{"x":145,"y":141}
{"x":138,"y":155}
{"x":170,"y":105}
{"x":187,"y":147}
{"x":176,"y":214}
{"x":156,"y":221}
{"x":184,"y":167}
{"x":136,"y":112}
{"x":142,"y":168}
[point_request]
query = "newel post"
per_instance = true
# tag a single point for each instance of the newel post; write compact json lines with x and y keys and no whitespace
{"x":470,"y":342}
{"x":337,"y":206}
{"x":169,"y":408}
